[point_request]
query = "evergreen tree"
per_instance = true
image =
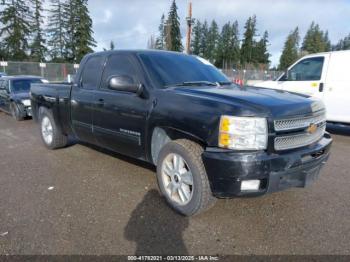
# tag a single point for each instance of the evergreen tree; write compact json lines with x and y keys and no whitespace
{"x":15,"y":18}
{"x":37,"y":48}
{"x":56,"y":31}
{"x":343,"y":44}
{"x":173,"y":35}
{"x":212,"y":41}
{"x":328,"y":45}
{"x":261,"y":54}
{"x":248,"y":41}
{"x":315,"y":40}
{"x":196,"y":38}
{"x":160,"y":42}
{"x":78,"y":26}
{"x":290,"y":51}
{"x":228,"y":46}
{"x":70,"y":17}
{"x":83,"y":33}
{"x":204,"y":50}
{"x":111,"y":45}
{"x":235,"y":45}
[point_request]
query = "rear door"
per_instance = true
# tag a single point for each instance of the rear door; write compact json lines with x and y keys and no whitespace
{"x":120,"y":117}
{"x":337,"y":88}
{"x":307,"y":76}
{"x":82,"y":97}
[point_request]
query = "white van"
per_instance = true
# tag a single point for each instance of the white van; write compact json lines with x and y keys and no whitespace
{"x":323,"y":75}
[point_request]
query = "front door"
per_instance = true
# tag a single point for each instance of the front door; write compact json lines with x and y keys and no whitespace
{"x":119,"y":119}
{"x":306,"y":77}
{"x":82,"y":98}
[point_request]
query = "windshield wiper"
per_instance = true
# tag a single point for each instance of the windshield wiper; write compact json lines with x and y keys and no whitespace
{"x":224,"y":83}
{"x":194,"y":83}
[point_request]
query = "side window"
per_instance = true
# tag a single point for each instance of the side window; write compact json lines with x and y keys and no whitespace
{"x":91,"y":75}
{"x":309,"y":69}
{"x":118,"y":65}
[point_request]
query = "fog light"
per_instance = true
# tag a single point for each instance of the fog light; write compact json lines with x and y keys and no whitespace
{"x":250,"y":185}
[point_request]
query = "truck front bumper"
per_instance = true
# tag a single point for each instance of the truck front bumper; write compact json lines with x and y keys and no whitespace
{"x":275,"y":171}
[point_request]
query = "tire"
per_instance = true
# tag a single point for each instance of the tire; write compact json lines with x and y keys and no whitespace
{"x":185,"y":199}
{"x":51,"y":135}
{"x":16,"y":112}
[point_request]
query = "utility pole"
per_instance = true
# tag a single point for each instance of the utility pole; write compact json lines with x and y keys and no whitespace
{"x":190,"y":22}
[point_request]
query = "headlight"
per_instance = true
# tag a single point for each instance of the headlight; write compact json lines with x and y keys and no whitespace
{"x":26,"y":102}
{"x":243,"y":133}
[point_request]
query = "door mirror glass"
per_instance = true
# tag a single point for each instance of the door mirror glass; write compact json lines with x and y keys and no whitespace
{"x":124,"y":83}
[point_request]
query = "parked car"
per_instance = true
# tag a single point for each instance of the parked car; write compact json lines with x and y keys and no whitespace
{"x":208,"y":137}
{"x":14,"y":95}
{"x":323,"y":75}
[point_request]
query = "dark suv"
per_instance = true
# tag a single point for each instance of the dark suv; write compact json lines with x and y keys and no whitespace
{"x":14,"y":95}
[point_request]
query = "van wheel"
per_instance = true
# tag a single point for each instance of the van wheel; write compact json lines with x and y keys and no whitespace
{"x":50,"y":134}
{"x":15,"y":112}
{"x":182,"y":178}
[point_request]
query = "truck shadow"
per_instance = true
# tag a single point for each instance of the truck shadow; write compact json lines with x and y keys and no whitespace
{"x":130,"y":160}
{"x":338,"y":129}
{"x":156,"y":229}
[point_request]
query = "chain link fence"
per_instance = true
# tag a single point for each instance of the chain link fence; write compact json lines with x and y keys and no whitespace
{"x":55,"y":72}
{"x":252,"y":76}
{"x":59,"y":71}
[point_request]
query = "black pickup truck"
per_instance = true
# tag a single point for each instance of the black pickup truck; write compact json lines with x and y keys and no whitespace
{"x":208,"y":137}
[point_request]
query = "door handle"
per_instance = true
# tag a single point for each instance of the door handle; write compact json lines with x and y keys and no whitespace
{"x":320,"y":88}
{"x":100,"y":102}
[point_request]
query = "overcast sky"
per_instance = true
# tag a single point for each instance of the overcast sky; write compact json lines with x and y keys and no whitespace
{"x":129,"y":23}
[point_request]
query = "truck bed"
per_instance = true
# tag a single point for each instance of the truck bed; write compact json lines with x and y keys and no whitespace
{"x":55,"y":96}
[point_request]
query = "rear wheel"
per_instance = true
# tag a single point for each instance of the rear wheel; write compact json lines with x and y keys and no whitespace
{"x":182,"y":178}
{"x":15,"y":112}
{"x":50,"y":133}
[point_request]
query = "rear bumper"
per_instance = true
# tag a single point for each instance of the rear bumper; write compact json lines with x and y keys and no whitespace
{"x":276,"y":172}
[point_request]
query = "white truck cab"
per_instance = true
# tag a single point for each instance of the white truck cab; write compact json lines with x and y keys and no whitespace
{"x":323,"y":75}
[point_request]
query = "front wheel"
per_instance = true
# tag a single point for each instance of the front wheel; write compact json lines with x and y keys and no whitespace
{"x":50,"y":134}
{"x":182,"y":178}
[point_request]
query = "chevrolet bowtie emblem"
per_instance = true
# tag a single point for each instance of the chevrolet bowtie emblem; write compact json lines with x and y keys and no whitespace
{"x":312,"y":128}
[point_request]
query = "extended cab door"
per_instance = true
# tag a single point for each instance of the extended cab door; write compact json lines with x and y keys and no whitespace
{"x":119,"y":120}
{"x":307,"y":76}
{"x":83,"y":97}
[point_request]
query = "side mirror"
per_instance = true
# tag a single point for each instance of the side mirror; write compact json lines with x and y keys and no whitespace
{"x":124,"y":83}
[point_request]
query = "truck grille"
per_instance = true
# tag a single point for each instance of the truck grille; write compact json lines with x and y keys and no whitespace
{"x":305,"y":138}
{"x":298,"y":123}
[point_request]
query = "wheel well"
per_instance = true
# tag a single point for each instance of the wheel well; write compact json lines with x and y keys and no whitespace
{"x":163,"y":135}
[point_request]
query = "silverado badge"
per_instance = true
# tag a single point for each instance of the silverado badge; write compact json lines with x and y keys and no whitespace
{"x":312,"y":128}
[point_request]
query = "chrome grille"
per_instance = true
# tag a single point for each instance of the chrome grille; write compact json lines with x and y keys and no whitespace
{"x":299,"y":140}
{"x":298,"y":123}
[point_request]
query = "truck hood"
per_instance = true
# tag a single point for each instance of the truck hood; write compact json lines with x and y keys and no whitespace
{"x":20,"y":96}
{"x":257,"y":101}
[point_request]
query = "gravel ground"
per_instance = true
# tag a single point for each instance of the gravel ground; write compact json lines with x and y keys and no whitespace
{"x":80,"y":200}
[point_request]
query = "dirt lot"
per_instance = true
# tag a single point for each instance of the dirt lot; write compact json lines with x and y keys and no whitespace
{"x":82,"y":201}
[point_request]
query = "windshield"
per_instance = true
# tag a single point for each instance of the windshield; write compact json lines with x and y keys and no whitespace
{"x":170,"y":69}
{"x":23,"y":85}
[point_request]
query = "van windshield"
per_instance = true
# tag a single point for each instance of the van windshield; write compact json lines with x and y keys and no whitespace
{"x":23,"y":85}
{"x":169,"y":69}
